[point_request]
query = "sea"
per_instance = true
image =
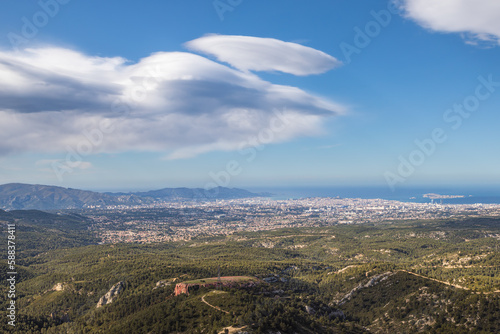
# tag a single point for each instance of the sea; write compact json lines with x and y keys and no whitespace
{"x":471,"y":195}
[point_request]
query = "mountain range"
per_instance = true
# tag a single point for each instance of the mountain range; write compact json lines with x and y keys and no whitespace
{"x":18,"y":196}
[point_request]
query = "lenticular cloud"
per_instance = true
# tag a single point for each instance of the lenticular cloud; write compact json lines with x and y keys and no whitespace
{"x":264,"y":54}
{"x":180,"y":103}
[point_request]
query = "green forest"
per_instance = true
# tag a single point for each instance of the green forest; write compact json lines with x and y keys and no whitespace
{"x":439,"y":276}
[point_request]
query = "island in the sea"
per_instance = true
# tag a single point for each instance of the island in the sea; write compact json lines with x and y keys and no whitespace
{"x":437,"y":196}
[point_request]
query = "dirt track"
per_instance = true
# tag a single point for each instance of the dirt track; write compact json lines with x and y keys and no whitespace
{"x":212,"y":306}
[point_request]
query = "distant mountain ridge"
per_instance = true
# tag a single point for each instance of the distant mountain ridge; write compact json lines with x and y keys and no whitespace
{"x":197,"y":193}
{"x":19,"y":196}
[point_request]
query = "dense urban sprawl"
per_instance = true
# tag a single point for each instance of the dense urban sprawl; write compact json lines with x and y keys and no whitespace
{"x":174,"y":221}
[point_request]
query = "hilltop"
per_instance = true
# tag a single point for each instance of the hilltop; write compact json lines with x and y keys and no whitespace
{"x":225,"y":281}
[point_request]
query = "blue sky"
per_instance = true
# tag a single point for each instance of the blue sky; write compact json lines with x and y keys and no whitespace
{"x":249,"y":93}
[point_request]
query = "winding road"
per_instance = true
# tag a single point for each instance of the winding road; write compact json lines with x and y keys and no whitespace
{"x":212,"y":306}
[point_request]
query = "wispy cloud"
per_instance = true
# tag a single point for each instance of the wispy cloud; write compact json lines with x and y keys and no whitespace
{"x":174,"y":102}
{"x":477,"y":20}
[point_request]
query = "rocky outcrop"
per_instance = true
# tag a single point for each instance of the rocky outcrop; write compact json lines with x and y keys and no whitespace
{"x":161,"y":284}
{"x":111,"y":295}
{"x":372,"y":282}
{"x":181,"y":288}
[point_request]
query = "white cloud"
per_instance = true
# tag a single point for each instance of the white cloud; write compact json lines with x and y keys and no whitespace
{"x":57,"y":100}
{"x":264,"y":54}
{"x":477,"y":19}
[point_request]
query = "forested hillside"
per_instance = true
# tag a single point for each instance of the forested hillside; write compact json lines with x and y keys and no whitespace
{"x":397,"y":277}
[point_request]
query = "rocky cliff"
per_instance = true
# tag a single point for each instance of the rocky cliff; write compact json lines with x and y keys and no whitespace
{"x":181,"y":288}
{"x":111,"y":295}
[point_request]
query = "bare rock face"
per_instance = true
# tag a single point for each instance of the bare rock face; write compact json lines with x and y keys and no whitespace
{"x":161,"y":284}
{"x":181,"y":288}
{"x":111,"y":295}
